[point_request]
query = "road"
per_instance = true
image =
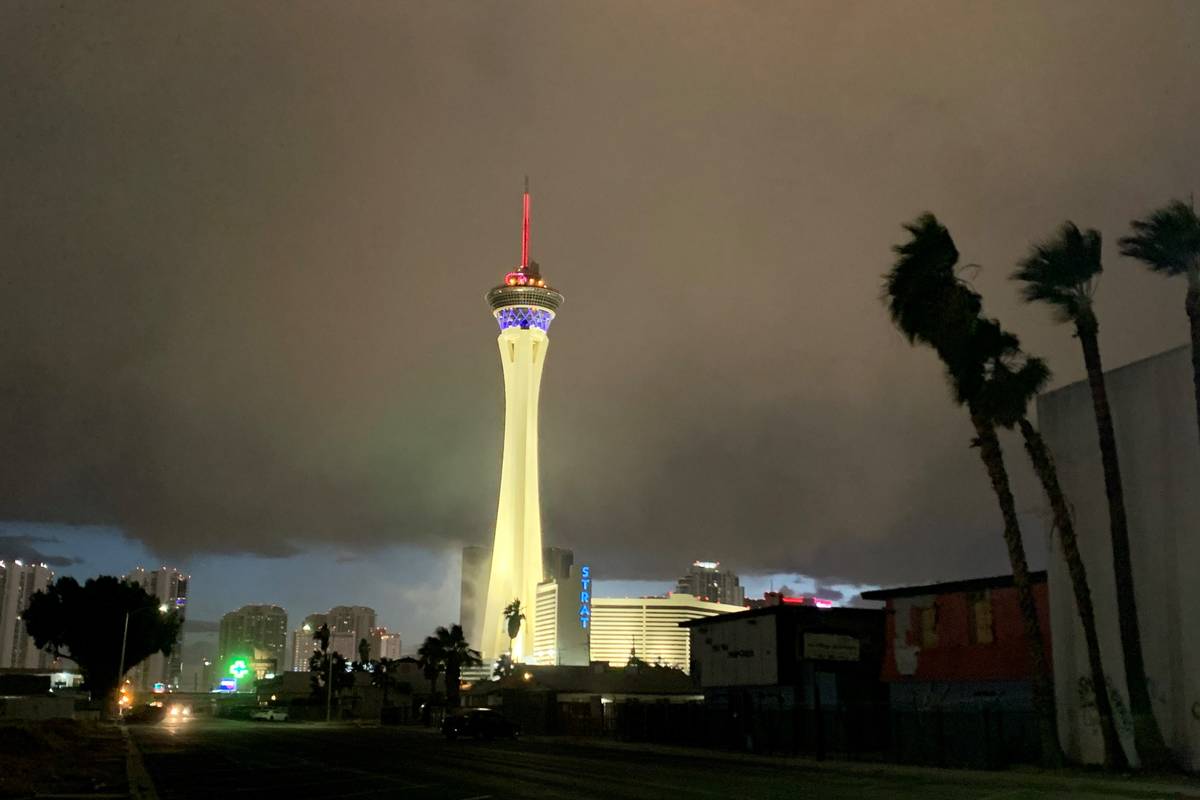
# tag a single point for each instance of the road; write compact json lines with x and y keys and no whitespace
{"x":218,"y":759}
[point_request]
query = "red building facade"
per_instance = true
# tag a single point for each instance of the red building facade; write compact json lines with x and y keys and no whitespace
{"x":954,"y":643}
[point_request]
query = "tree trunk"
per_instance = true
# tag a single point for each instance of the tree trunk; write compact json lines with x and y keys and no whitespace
{"x":1193,"y":312}
{"x":1043,"y":465}
{"x":452,"y":678}
{"x":1043,"y":689}
{"x":1151,"y":749}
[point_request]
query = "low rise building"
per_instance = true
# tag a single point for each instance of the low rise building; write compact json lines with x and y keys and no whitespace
{"x":647,"y":627}
{"x":958,"y":671}
{"x":960,"y":644}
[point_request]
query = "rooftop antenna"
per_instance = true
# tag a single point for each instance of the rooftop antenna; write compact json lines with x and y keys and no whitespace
{"x":525,"y":228}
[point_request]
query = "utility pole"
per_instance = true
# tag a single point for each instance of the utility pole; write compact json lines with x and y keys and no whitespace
{"x":121,"y":663}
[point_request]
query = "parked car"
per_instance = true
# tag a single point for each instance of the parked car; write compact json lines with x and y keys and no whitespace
{"x":480,"y":723}
{"x":270,"y":714}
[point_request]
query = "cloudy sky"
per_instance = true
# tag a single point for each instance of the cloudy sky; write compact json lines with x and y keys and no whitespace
{"x":245,"y":247}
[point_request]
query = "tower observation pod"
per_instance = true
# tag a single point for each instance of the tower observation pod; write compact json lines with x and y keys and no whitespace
{"x":524,"y":306}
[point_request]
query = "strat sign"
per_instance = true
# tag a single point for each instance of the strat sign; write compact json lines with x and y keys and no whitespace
{"x":585,"y":596}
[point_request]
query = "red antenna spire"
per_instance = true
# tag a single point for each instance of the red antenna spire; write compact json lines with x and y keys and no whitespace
{"x":525,"y":228}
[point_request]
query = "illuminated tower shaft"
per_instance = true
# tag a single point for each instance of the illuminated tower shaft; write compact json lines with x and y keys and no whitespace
{"x":524,"y":307}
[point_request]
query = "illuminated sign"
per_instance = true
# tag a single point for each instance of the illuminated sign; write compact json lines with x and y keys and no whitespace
{"x":238,"y":669}
{"x":227,"y":685}
{"x":159,"y":688}
{"x":585,"y":596}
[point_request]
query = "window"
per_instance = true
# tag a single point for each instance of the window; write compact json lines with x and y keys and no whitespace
{"x":929,"y":635}
{"x":980,"y":628}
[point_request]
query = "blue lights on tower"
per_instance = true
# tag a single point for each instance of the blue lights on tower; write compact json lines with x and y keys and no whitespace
{"x":524,"y":317}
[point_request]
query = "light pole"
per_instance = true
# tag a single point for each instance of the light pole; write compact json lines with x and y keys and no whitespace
{"x":162,"y":609}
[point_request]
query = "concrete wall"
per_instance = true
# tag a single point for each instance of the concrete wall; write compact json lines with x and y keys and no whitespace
{"x":1153,"y":407}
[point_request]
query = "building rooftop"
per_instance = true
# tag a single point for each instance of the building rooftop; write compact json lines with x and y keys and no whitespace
{"x":789,"y":609}
{"x":598,"y":678}
{"x":969,"y":585}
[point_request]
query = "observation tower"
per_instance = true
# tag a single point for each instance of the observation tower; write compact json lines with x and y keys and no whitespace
{"x":524,"y":306}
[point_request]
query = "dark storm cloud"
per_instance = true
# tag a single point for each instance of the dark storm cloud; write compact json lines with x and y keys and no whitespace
{"x":245,"y":248}
{"x":27,"y":548}
{"x":200,"y":626}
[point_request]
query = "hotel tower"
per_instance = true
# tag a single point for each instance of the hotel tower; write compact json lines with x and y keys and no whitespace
{"x":524,"y":307}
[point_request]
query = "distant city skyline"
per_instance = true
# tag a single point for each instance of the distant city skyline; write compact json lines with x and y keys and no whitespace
{"x":413,"y":589}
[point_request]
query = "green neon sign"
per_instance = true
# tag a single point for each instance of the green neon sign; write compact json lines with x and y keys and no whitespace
{"x":238,"y":669}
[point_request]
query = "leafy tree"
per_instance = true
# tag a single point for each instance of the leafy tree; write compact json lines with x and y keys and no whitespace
{"x":931,"y":305}
{"x":1014,"y":380}
{"x":456,"y":653}
{"x":86,"y":624}
{"x":383,"y":675}
{"x":503,"y":666}
{"x":514,"y":615}
{"x":329,"y":671}
{"x":1062,"y":272}
{"x":322,"y":670}
{"x":364,"y":653}
{"x":1168,"y":241}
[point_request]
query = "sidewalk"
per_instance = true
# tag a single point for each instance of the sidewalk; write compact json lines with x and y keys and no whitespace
{"x":1176,"y":787}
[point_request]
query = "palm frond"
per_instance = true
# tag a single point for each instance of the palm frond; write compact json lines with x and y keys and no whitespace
{"x":1062,"y":271}
{"x":1167,"y":240}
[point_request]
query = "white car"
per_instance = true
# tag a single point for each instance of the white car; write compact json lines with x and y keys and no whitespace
{"x":270,"y":714}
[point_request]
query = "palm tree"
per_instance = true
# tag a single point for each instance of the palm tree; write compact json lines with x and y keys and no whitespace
{"x":1168,"y":241}
{"x":1014,"y":379}
{"x":457,"y":653}
{"x":1062,"y":273}
{"x":432,"y":659}
{"x":514,"y":615}
{"x":931,"y":305}
{"x":383,"y":676}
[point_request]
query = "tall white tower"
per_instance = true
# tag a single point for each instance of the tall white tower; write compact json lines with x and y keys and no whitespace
{"x":524,"y":307}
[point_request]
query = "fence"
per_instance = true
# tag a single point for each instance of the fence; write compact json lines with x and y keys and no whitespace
{"x":987,"y":738}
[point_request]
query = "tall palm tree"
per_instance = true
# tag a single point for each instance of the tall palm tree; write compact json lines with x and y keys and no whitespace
{"x":432,"y":658}
{"x":932,"y":306}
{"x":1168,"y":241}
{"x":457,"y":653}
{"x":1062,"y":272}
{"x":1014,"y":379}
{"x":514,"y":615}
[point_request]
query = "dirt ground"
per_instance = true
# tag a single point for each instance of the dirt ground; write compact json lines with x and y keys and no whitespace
{"x":61,"y":757}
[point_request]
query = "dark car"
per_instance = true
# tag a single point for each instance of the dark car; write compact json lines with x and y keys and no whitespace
{"x":481,"y":723}
{"x":144,"y":715}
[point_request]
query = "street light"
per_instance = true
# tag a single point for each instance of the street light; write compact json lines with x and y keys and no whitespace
{"x":162,"y":609}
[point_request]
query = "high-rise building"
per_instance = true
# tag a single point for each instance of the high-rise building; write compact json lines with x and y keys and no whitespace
{"x":256,"y":633}
{"x":302,"y":645}
{"x":476,"y":565}
{"x":170,"y":586}
{"x":524,"y":306}
{"x":561,"y":635}
{"x":348,"y":625}
{"x":384,"y":644}
{"x":355,"y":621}
{"x":18,"y":582}
{"x":557,"y":563}
{"x":648,"y":627}
{"x":707,"y":581}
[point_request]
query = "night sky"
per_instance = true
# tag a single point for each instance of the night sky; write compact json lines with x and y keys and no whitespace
{"x":244,"y":248}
